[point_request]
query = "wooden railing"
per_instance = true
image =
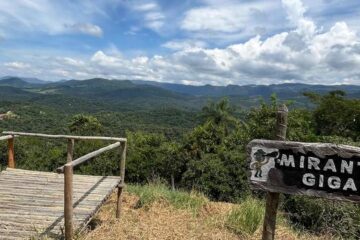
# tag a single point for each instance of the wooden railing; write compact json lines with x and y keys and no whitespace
{"x":67,"y":169}
{"x":11,"y":159}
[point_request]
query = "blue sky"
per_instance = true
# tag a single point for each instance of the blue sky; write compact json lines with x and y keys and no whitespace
{"x":196,"y":42}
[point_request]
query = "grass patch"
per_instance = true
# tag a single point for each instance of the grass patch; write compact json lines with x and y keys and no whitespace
{"x":247,"y":217}
{"x":150,"y":193}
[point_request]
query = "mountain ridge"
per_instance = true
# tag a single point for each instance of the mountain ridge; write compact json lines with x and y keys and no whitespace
{"x":149,"y":94}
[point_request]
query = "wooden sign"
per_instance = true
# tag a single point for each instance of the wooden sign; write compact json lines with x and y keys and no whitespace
{"x":315,"y":169}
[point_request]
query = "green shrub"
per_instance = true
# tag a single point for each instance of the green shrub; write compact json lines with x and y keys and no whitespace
{"x":150,"y":193}
{"x":324,"y":216}
{"x":246,"y":218}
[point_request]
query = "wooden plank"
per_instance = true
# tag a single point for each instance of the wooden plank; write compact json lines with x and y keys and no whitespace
{"x":23,"y":204}
{"x":54,"y":193}
{"x":88,"y":156}
{"x":41,"y":173}
{"x":65,"y":136}
{"x":76,"y":196}
{"x":31,"y":217}
{"x":46,"y":203}
{"x":42,"y":183}
{"x":48,"y":181}
{"x":98,"y":185}
{"x":33,"y":221}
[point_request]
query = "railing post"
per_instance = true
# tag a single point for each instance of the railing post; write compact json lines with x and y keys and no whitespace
{"x":122,"y":179}
{"x":272,"y":198}
{"x":70,"y":149}
{"x":11,"y":153}
{"x":68,"y":201}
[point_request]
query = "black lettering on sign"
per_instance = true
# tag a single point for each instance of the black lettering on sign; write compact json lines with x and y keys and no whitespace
{"x":317,"y":169}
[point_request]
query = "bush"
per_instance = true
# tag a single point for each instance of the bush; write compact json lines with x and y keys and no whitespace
{"x":246,"y":218}
{"x":324,"y":216}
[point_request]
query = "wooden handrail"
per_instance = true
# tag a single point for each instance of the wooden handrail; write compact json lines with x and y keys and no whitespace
{"x":67,"y":169}
{"x":66,"y":136}
{"x":88,"y":156}
{"x":6,"y":137}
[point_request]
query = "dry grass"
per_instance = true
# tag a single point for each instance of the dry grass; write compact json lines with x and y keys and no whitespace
{"x":161,"y":220}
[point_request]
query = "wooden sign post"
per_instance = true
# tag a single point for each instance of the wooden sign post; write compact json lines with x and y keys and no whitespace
{"x":272,"y":198}
{"x":315,"y":169}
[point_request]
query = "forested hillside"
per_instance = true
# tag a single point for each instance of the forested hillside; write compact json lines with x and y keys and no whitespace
{"x":185,"y":140}
{"x":135,"y":105}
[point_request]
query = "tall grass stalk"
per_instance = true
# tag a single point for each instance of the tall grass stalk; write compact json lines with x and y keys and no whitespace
{"x":247,"y":217}
{"x":150,"y":193}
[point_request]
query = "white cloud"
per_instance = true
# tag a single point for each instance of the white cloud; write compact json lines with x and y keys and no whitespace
{"x":16,"y":65}
{"x":146,"y":7}
{"x":85,"y":28}
{"x":51,"y":17}
{"x":153,"y":16}
{"x":184,"y":44}
{"x":232,"y":20}
{"x":306,"y":53}
{"x":295,"y":10}
{"x":73,"y":62}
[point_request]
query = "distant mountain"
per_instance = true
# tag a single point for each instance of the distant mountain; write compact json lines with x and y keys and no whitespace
{"x":28,"y":80}
{"x":35,"y":80}
{"x":126,"y":95}
{"x":14,"y":82}
{"x":285,"y":90}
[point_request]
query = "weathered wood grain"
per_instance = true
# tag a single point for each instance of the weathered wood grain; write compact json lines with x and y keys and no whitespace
{"x":272,"y":198}
{"x":70,"y":150}
{"x":11,"y":153}
{"x":32,"y":203}
{"x":122,"y":180}
{"x":88,"y":156}
{"x":65,"y":136}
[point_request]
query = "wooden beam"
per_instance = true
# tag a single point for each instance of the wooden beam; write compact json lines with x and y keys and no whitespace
{"x":6,"y":137}
{"x":68,"y":202}
{"x":122,"y":179}
{"x":88,"y":156}
{"x":11,"y":153}
{"x":70,"y":150}
{"x":272,"y":198}
{"x":66,"y":136}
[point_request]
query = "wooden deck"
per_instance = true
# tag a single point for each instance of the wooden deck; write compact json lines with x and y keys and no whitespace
{"x":32,"y":202}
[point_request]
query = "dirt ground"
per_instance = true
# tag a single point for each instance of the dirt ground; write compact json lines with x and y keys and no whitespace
{"x":161,"y":221}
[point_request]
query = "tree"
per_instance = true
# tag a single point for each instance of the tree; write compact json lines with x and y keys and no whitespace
{"x":215,"y":161}
{"x":220,"y":114}
{"x":85,"y":125}
{"x":336,"y":115}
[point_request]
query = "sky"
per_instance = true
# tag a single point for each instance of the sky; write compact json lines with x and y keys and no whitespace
{"x":196,"y":42}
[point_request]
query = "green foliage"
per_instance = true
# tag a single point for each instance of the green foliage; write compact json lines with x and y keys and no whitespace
{"x":336,"y":115}
{"x":81,"y":124}
{"x":145,"y":154}
{"x":246,"y":218}
{"x":324,"y":216}
{"x":150,"y":193}
{"x":220,"y":114}
{"x":260,"y":121}
{"x":167,"y":142}
{"x":215,"y":161}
